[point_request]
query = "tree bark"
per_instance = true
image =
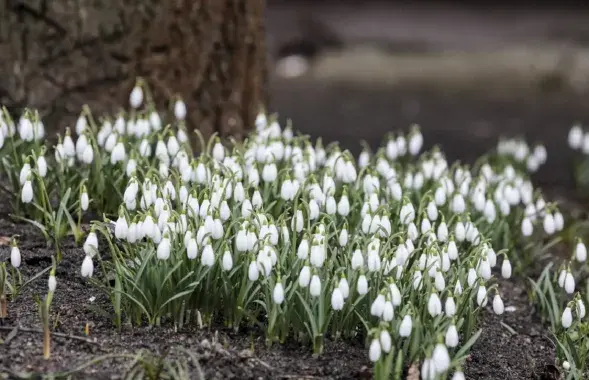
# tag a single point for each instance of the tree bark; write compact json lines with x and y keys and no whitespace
{"x":57,"y":55}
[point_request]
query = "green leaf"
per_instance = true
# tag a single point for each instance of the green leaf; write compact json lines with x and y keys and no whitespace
{"x":310,"y":314}
{"x":462,"y":353}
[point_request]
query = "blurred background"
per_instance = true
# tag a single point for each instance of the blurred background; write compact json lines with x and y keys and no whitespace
{"x":356,"y":70}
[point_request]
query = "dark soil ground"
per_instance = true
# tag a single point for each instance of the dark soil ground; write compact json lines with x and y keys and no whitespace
{"x":513,"y":346}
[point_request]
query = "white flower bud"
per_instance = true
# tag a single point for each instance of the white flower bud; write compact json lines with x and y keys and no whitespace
{"x":441,"y":358}
{"x":377,"y":307}
{"x":575,"y":137}
{"x":498,"y":307}
{"x":362,"y":285}
{"x":180,"y":110}
{"x":91,"y":244}
{"x":580,"y":252}
{"x":580,"y":309}
{"x":569,"y":283}
{"x":87,"y":267}
{"x":482,"y":295}
{"x":136,"y":97}
{"x":527,"y":228}
{"x":52,"y":283}
{"x":385,"y":341}
{"x":337,"y":299}
{"x":434,"y":305}
{"x":406,"y":326}
{"x":506,"y":268}
{"x":253,"y":271}
{"x":27,"y":192}
{"x":192,"y":249}
{"x":207,"y":258}
{"x":375,"y":350}
{"x":450,"y":307}
{"x":15,"y":257}
{"x":278,"y":294}
{"x":163,"y":249}
{"x":305,"y":276}
{"x":567,"y":318}
{"x":227,"y":261}
{"x":121,"y":228}
{"x":452,"y":338}
{"x":315,"y":286}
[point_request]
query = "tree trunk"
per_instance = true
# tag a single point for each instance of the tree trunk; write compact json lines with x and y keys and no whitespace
{"x":61,"y":54}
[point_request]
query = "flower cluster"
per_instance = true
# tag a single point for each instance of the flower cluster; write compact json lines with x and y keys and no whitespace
{"x":562,"y":302}
{"x":397,"y":247}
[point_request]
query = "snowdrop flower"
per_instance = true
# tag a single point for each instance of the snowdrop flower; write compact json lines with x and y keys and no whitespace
{"x":482,"y":295}
{"x":343,"y":237}
{"x":575,"y":137}
{"x":406,"y":326}
{"x":257,"y":200}
{"x":388,"y":312}
{"x":441,"y":358}
{"x":580,"y":252}
{"x":415,"y":141}
{"x":136,"y":96}
{"x":566,"y":318}
{"x":315,"y":286}
{"x":498,"y":307}
{"x":580,"y":309}
{"x":527,"y":227}
{"x":549,"y":226}
{"x":450,"y":306}
{"x":484,"y":269}
{"x":87,"y":267}
{"x":375,"y":350}
{"x":337,"y":299}
{"x":180,"y":109}
{"x":218,"y":151}
{"x":121,"y":227}
{"x":269,"y":172}
{"x":428,"y":369}
{"x":42,"y":166}
{"x":305,"y":276}
{"x":26,"y":195}
{"x":118,"y":153}
{"x":278,"y":294}
{"x":460,"y":232}
{"x":506,"y":268}
{"x":163,"y":248}
{"x":25,"y":172}
{"x":207,"y":257}
{"x":15,"y":257}
{"x":227,"y":261}
{"x":344,"y":287}
{"x":253,"y":272}
{"x":362,"y":285}
{"x":303,"y":249}
{"x":385,"y":340}
{"x":558,"y":221}
{"x":452,"y":338}
{"x":434,"y":306}
{"x":407,"y":213}
{"x":377,"y":307}
{"x":52,"y":282}
{"x":569,"y":283}
{"x":191,"y":249}
{"x":432,"y":211}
